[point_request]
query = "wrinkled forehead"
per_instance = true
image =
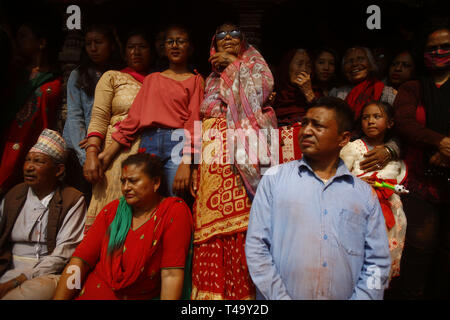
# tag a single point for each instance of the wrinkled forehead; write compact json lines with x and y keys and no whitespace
{"x":355,"y":52}
{"x":40,"y":156}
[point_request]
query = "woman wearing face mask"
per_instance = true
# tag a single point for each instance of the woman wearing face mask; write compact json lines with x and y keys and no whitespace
{"x":114,"y":95}
{"x":422,"y":118}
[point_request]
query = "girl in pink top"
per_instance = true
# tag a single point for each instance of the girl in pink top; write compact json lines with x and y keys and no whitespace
{"x":164,"y":113}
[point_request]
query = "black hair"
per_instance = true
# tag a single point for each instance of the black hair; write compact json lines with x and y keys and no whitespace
{"x":430,"y":26}
{"x":317,"y":52}
{"x":165,"y":60}
{"x":344,"y":114}
{"x":152,"y":166}
{"x":386,"y":108}
{"x":46,"y":29}
{"x":87,"y":79}
{"x":402,"y":48}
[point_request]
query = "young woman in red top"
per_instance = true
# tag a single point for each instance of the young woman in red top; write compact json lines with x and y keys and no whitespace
{"x":165,"y":110}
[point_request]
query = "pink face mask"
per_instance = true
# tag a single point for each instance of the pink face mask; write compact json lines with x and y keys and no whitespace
{"x":437,"y":60}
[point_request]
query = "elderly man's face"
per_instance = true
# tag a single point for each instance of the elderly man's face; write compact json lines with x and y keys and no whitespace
{"x":319,"y":135}
{"x":40,"y":171}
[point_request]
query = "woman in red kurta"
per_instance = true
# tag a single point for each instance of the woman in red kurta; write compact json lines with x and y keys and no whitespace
{"x":155,"y":236}
{"x":31,"y":104}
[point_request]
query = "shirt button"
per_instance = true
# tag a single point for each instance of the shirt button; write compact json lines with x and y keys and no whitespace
{"x":325,"y":237}
{"x":324,"y":264}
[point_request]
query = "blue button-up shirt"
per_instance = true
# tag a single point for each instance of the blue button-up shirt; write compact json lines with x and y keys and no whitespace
{"x":308,"y":239}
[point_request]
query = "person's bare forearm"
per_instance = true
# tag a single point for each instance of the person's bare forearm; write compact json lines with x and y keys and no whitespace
{"x":71,"y":280}
{"x":171,"y":283}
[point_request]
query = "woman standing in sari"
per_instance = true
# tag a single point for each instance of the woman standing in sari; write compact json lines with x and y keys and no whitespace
{"x":114,"y":95}
{"x":235,"y":96}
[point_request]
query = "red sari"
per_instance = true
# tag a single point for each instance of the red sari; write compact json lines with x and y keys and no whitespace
{"x":134,"y":271}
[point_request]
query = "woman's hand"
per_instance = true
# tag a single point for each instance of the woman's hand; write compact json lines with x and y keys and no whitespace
{"x":444,"y":147}
{"x":376,"y":159}
{"x":193,"y":186}
{"x":303,"y":82}
{"x":368,"y":180}
{"x":92,"y":168}
{"x":108,"y":155}
{"x":221,"y":60}
{"x":439,"y":160}
{"x":181,"y":181}
{"x":83,"y":143}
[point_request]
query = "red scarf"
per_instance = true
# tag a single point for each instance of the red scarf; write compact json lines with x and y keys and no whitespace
{"x":138,"y":76}
{"x":115,"y":275}
{"x":368,"y":90}
{"x":383,"y":196}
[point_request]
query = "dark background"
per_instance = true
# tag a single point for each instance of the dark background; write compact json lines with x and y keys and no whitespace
{"x":275,"y":27}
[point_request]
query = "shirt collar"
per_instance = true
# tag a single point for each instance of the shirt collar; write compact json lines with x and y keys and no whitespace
{"x":45,"y":201}
{"x":341,"y":171}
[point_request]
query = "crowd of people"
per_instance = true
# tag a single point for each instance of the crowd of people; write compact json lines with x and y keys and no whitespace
{"x":161,"y":185}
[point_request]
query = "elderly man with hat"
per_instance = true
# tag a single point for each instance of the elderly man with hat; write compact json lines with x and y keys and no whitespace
{"x":41,"y":223}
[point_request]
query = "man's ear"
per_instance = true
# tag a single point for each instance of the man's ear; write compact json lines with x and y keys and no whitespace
{"x":157,"y":184}
{"x":60,"y":169}
{"x":344,"y":138}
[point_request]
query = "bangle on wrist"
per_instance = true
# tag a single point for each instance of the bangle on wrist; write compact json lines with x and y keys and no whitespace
{"x":390,"y":152}
{"x":16,"y":283}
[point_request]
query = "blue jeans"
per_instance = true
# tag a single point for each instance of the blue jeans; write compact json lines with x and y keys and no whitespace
{"x":158,"y":142}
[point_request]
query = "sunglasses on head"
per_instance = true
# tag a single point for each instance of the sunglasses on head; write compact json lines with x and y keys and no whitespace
{"x":233,"y":33}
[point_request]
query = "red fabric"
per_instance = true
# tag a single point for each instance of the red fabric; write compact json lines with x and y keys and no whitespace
{"x":134,"y":272}
{"x":362,"y":93}
{"x":138,"y":76}
{"x":289,"y":149}
{"x":36,"y":115}
{"x":220,"y":270}
{"x":383,"y":196}
{"x":163,"y":102}
{"x":96,"y":134}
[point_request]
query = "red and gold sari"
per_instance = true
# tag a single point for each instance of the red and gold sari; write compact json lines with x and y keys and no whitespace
{"x":234,"y":99}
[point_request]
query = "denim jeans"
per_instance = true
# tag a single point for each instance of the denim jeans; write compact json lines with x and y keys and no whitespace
{"x":158,"y":142}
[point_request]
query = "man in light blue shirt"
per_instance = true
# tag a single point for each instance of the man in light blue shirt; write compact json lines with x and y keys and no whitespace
{"x":315,"y":231}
